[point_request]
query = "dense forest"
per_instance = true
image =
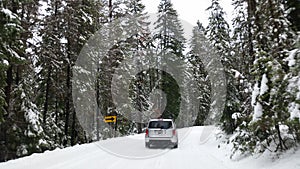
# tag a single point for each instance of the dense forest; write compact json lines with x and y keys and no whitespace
{"x":40,"y":41}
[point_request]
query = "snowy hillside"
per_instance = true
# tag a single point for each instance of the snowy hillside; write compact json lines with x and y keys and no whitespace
{"x":190,"y":155}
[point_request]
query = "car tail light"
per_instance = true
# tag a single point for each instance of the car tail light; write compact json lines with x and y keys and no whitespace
{"x":147,"y":132}
{"x":174,"y":132}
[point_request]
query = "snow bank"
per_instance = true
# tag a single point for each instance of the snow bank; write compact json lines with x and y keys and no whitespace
{"x":191,"y":154}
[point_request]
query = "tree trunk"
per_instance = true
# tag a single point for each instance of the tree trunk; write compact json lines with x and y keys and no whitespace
{"x":73,"y":133}
{"x":251,"y":14}
{"x":110,"y":10}
{"x":98,"y":104}
{"x":47,"y":96}
{"x":8,"y":87}
{"x":280,"y":144}
{"x":67,"y":99}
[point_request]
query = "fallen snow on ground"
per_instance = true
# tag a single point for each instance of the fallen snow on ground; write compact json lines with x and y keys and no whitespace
{"x":193,"y":152}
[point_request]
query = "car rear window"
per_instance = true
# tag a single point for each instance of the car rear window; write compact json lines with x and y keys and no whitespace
{"x":160,"y":124}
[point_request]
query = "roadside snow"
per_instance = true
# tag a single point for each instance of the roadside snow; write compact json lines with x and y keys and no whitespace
{"x":191,"y":154}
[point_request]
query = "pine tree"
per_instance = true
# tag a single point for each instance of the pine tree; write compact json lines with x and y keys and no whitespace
{"x":5,"y":31}
{"x":218,"y":35}
{"x":110,"y":61}
{"x":241,"y":38}
{"x":266,"y":128}
{"x":293,"y":88}
{"x":242,"y":50}
{"x":50,"y":75}
{"x":10,"y":28}
{"x":199,"y":50}
{"x":167,"y":42}
{"x":293,"y":6}
{"x":169,"y":31}
{"x":270,"y":72}
{"x":67,"y":28}
{"x":21,"y":132}
{"x":217,"y":32}
{"x":294,"y":105}
{"x":137,"y":30}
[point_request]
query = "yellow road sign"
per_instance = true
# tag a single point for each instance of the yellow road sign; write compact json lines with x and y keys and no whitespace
{"x":110,"y":119}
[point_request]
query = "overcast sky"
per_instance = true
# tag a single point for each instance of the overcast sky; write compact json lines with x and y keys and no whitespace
{"x":191,"y":10}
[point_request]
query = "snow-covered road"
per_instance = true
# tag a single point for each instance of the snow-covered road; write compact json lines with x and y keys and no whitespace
{"x":130,"y":153}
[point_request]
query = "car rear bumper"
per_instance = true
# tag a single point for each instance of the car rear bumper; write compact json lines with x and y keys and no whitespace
{"x":173,"y":140}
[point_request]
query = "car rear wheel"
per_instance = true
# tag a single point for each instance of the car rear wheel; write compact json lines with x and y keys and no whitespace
{"x":147,"y":145}
{"x":176,"y":145}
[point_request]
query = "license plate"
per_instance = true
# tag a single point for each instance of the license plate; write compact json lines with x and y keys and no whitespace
{"x":159,"y":132}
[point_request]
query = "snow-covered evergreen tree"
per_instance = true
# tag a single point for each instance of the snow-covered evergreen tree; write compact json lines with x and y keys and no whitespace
{"x":50,"y":74}
{"x":267,"y":127}
{"x":199,"y":50}
{"x":137,"y":30}
{"x":168,"y":40}
{"x":293,"y":8}
{"x":169,"y":31}
{"x":21,"y":131}
{"x":242,"y":52}
{"x":67,"y":27}
{"x":217,"y":33}
{"x":273,"y":39}
{"x":10,"y":29}
{"x":293,"y":88}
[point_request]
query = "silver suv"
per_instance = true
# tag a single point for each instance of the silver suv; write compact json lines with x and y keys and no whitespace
{"x":161,"y":132}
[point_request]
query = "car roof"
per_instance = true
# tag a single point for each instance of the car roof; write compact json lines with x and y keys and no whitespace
{"x":160,"y":120}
